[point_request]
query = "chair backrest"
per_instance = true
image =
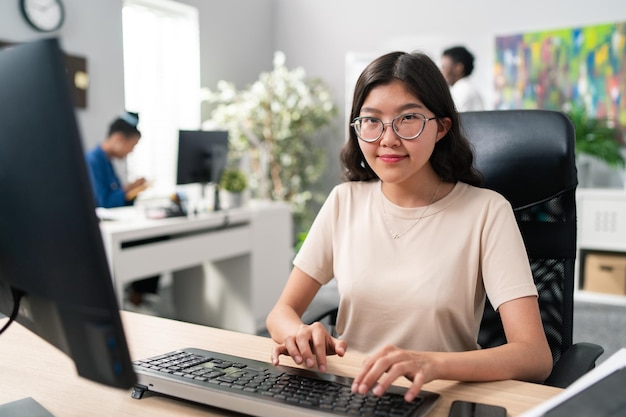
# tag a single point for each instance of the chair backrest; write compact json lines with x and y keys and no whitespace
{"x":528,"y":157}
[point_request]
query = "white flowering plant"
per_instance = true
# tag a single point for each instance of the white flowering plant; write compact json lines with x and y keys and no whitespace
{"x":272,"y":122}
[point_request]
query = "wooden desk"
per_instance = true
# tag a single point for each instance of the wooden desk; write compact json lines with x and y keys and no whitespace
{"x":29,"y":367}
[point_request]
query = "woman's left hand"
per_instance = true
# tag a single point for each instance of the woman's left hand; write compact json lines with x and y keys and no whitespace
{"x":390,"y":363}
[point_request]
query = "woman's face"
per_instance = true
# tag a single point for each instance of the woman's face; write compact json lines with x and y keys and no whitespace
{"x":393,"y":159}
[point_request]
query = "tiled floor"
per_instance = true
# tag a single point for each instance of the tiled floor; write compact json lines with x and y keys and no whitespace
{"x":604,"y":324}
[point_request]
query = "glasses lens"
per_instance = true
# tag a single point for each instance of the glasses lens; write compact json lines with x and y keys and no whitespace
{"x":368,"y":128}
{"x":408,"y":126}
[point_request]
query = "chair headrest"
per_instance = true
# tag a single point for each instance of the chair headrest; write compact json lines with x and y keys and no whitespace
{"x":525,"y":155}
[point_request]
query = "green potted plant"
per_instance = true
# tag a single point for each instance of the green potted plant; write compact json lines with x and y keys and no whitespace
{"x":275,"y":124}
{"x":598,"y":138}
{"x":232,"y":185}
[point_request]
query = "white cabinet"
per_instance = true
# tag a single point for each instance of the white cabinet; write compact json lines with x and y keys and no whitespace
{"x":601,"y":229}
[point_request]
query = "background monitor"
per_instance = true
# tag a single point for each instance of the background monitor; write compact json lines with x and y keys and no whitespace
{"x":202,"y":156}
{"x":54,"y":274}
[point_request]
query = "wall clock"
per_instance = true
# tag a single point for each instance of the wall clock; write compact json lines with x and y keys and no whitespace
{"x":43,"y":15}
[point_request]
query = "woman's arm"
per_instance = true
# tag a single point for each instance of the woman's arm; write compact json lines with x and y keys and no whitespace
{"x":525,"y":356}
{"x":284,"y":319}
{"x":308,"y":344}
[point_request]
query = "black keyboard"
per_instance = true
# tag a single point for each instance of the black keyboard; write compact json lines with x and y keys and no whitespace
{"x":263,"y":389}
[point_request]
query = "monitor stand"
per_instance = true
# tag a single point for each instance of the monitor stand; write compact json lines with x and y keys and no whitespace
{"x":217,"y":206}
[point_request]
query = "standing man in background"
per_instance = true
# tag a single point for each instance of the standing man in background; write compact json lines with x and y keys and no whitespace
{"x":457,"y":64}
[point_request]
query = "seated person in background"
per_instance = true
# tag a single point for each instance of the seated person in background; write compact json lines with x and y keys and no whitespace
{"x":457,"y":64}
{"x":122,"y":138}
{"x":108,"y":191}
{"x":415,"y":246}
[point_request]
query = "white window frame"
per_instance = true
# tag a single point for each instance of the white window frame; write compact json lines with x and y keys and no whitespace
{"x":162,"y":84}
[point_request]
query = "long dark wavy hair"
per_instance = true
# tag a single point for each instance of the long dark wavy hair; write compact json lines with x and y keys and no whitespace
{"x":452,"y":158}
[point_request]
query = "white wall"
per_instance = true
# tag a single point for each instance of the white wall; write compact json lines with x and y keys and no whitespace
{"x":236,"y":44}
{"x":92,"y":29}
{"x":318,"y":34}
{"x":238,"y":38}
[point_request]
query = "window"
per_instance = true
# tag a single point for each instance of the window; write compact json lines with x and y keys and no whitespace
{"x":162,"y":84}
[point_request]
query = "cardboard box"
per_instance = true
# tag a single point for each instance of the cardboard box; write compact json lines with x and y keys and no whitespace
{"x":605,"y":274}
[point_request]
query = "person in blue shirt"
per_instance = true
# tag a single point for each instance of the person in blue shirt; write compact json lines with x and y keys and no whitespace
{"x":122,"y":138}
{"x":108,"y":190}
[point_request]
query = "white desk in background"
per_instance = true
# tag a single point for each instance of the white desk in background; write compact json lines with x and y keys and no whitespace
{"x":228,"y":267}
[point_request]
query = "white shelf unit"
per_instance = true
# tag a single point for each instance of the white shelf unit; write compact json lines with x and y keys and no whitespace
{"x":602,"y":229}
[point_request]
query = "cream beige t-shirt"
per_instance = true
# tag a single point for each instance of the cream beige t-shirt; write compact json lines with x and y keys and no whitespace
{"x":425,"y":290}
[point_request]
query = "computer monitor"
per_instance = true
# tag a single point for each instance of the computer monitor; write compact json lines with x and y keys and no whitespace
{"x":202,"y":156}
{"x":54,"y":274}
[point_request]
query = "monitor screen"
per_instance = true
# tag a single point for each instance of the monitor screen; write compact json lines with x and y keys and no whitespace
{"x":202,"y":156}
{"x":54,"y":274}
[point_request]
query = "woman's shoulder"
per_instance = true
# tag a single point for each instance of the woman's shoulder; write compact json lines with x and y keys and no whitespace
{"x":342,"y":194}
{"x":484,"y":195}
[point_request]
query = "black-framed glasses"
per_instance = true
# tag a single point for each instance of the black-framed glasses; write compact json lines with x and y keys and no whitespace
{"x":407,"y":126}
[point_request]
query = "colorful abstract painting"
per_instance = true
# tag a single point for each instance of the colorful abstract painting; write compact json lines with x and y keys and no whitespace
{"x":550,"y":69}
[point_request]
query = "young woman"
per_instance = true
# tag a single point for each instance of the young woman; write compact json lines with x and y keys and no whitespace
{"x":415,"y":246}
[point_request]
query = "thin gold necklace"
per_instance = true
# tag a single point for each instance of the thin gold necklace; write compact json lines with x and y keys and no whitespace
{"x":398,"y":235}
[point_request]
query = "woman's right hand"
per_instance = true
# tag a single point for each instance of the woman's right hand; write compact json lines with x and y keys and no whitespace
{"x":310,"y":346}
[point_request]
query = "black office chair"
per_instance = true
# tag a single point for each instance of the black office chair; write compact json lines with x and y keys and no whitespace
{"x":528,"y":157}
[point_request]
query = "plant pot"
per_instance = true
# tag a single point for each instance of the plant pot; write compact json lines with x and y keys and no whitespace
{"x":229,"y":199}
